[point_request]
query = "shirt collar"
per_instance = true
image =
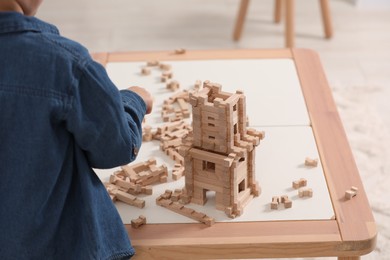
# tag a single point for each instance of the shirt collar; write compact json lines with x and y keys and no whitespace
{"x":17,"y":22}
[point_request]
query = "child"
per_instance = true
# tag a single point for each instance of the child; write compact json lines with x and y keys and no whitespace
{"x":60,"y":115}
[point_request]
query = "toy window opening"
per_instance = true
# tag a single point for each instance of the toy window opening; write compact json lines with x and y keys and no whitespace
{"x":241,"y":186}
{"x":208,"y":166}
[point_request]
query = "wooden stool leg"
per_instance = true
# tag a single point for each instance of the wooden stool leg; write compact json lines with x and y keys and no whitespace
{"x":326,"y":18}
{"x":240,"y":19}
{"x":349,"y":258}
{"x":289,"y":27}
{"x":278,"y":11}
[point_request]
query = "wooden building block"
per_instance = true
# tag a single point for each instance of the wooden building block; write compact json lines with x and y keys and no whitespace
{"x":185,"y":211}
{"x":299,"y":183}
{"x":136,"y":223}
{"x":164,"y":78}
{"x":145,"y":71}
{"x":125,"y":185}
{"x":176,"y":195}
{"x":176,"y":206}
{"x":148,"y":190}
{"x":152,"y":63}
{"x":167,"y":194}
{"x":275,"y":202}
{"x":182,"y":94}
{"x":182,"y":104}
{"x":286,"y":201}
{"x":311,"y":162}
{"x":177,"y":171}
{"x":173,"y":85}
{"x":165,"y":67}
{"x":147,"y":135}
{"x":174,"y":155}
{"x":352,"y":192}
{"x":198,"y":85}
{"x":129,"y":199}
{"x":146,"y":173}
{"x":180,"y":51}
{"x":167,"y":74}
{"x":305,"y":192}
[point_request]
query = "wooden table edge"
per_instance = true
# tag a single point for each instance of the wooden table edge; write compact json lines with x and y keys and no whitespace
{"x":336,"y":155}
{"x":104,"y":57}
{"x":354,"y":240}
{"x":245,"y":240}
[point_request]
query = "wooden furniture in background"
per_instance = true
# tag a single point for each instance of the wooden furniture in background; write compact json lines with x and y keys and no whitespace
{"x":289,"y":8}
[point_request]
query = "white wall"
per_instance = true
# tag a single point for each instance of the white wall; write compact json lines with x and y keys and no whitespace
{"x":373,"y":3}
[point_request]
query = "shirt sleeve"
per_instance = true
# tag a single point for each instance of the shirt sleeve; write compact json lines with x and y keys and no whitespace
{"x":106,"y":123}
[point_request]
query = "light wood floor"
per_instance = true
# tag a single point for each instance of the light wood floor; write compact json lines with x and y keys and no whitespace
{"x":357,"y":56}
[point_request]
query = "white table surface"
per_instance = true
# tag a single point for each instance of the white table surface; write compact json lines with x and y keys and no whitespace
{"x":274,"y":104}
{"x":271,"y":86}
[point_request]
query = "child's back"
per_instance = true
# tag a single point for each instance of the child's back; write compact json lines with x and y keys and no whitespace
{"x":60,"y":115}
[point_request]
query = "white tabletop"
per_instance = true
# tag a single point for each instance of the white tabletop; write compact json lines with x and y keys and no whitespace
{"x":271,"y":86}
{"x":274,"y":104}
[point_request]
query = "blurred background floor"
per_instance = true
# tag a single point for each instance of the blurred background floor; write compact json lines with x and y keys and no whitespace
{"x":356,"y":61}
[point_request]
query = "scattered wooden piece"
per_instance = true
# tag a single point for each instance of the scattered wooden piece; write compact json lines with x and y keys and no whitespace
{"x":128,"y":198}
{"x":198,"y":85}
{"x":136,"y":223}
{"x":165,"y":201}
{"x":119,"y":181}
{"x":180,"y":51}
{"x":164,"y":66}
{"x":281,"y":200}
{"x":275,"y":202}
{"x":146,"y":173}
{"x":177,"y":171}
{"x":145,"y":71}
{"x":164,"y":78}
{"x":174,"y":155}
{"x":176,"y":195}
{"x":305,"y":192}
{"x":167,"y":74}
{"x":147,"y":135}
{"x":173,"y":85}
{"x":352,"y":192}
{"x":286,"y":201}
{"x":166,"y":195}
{"x":311,"y":162}
{"x":299,"y":183}
{"x":152,"y":63}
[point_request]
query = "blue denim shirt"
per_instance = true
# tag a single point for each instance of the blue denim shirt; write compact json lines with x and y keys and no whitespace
{"x":60,"y":115}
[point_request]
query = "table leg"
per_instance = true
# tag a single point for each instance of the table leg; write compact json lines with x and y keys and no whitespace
{"x":278,"y":11}
{"x":240,"y":19}
{"x":326,"y":18}
{"x":290,"y":30}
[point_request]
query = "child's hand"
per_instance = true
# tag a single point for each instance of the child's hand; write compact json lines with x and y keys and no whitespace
{"x":145,"y":95}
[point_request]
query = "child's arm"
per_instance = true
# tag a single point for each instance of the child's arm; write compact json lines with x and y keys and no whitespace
{"x":106,"y":124}
{"x":145,"y":95}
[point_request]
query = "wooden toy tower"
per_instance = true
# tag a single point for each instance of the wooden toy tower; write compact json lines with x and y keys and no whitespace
{"x":220,"y":155}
